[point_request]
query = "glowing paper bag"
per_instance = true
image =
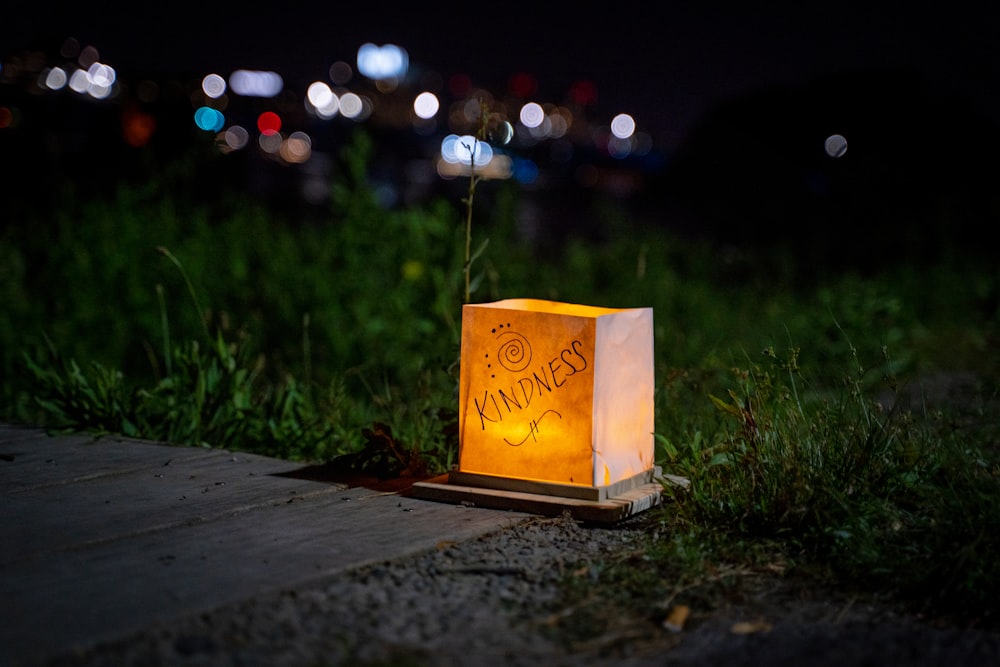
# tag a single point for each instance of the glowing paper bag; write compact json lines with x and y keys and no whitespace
{"x":555,"y":393}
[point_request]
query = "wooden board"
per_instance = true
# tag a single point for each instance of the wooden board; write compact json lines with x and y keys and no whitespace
{"x":100,"y":538}
{"x":580,"y":491}
{"x":611,"y":510}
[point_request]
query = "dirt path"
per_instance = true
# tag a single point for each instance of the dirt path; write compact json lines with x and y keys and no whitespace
{"x":489,"y":601}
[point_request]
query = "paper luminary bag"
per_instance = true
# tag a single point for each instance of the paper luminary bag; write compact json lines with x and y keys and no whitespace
{"x":557,"y":395}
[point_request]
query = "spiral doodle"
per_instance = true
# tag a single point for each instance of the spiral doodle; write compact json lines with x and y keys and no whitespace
{"x":514,"y":352}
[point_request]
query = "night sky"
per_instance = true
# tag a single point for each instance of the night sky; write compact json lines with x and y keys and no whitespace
{"x":665,"y":66}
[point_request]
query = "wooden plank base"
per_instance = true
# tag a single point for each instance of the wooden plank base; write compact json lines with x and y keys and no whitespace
{"x":610,"y":510}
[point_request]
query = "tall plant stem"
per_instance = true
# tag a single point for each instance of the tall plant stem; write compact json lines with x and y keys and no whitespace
{"x":468,"y":220}
{"x":194,"y":296}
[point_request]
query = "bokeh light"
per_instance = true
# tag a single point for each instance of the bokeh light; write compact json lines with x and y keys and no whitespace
{"x":97,"y":80}
{"x":532,"y":115}
{"x":521,"y":121}
{"x":460,"y":149}
{"x":623,"y":126}
{"x":297,"y":148}
{"x":236,"y":137}
{"x":583,"y":93}
{"x":351,"y":105}
{"x":835,"y":145}
{"x":270,"y":143}
{"x":522,"y":85}
{"x":341,"y":73}
{"x":269,"y":123}
{"x":101,"y":75}
{"x":321,"y":100}
{"x":209,"y":119}
{"x":214,"y":86}
{"x":382,"y":62}
{"x":253,"y":83}
{"x":56,"y":78}
{"x":426,"y":105}
{"x":137,"y":127}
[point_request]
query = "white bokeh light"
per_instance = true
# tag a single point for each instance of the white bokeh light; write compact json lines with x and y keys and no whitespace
{"x":56,"y":79}
{"x":322,"y":100}
{"x":835,"y":145}
{"x":351,"y":105}
{"x":382,"y":62}
{"x":237,"y":137}
{"x":459,"y":150}
{"x":623,"y":126}
{"x":532,"y":114}
{"x":213,"y":85}
{"x":251,"y":83}
{"x":78,"y":82}
{"x":426,"y":105}
{"x":101,"y":75}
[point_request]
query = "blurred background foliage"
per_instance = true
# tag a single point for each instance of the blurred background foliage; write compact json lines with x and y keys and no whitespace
{"x":358,"y":304}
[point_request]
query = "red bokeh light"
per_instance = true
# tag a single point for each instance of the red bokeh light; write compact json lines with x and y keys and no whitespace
{"x":522,"y":84}
{"x":269,"y":123}
{"x":459,"y":84}
{"x":583,"y":93}
{"x":137,"y":127}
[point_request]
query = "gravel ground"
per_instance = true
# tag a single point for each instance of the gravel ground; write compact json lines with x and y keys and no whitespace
{"x":489,"y":601}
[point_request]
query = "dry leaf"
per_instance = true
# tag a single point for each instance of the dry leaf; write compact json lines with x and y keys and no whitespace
{"x":677,"y":617}
{"x":750,"y":627}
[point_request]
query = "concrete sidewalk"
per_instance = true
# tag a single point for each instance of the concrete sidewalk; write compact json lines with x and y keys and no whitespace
{"x":100,"y":538}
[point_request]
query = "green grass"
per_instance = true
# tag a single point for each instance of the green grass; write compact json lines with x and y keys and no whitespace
{"x":222,"y":323}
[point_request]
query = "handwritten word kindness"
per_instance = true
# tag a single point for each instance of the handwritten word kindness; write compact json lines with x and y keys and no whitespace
{"x":545,"y":379}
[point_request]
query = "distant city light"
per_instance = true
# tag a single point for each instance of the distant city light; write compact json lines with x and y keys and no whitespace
{"x":341,"y":73}
{"x":97,"y":80}
{"x":382,"y":62}
{"x":560,"y":121}
{"x":623,"y":126}
{"x":439,"y":105}
{"x":525,"y":171}
{"x":322,"y":100}
{"x":237,"y":137}
{"x":88,"y":56}
{"x":214,"y":86}
{"x":426,"y":105}
{"x":137,"y":127}
{"x":56,"y":79}
{"x":101,"y":75}
{"x":78,"y":82}
{"x":501,"y":133}
{"x":270,"y":143}
{"x":251,"y":83}
{"x":268,"y":123}
{"x":532,"y":115}
{"x":459,"y":150}
{"x":619,"y":147}
{"x":296,"y":149}
{"x":351,"y":105}
{"x":522,"y":85}
{"x":209,"y":119}
{"x":583,"y":93}
{"x":836,"y":145}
